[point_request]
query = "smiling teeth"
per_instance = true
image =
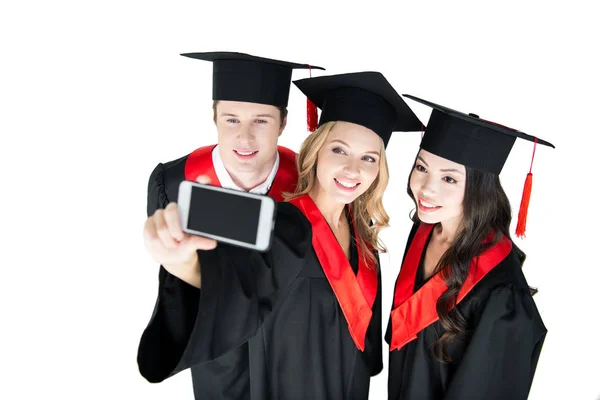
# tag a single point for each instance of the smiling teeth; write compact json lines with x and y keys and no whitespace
{"x":346,"y":184}
{"x":427,"y":205}
{"x":245,"y":153}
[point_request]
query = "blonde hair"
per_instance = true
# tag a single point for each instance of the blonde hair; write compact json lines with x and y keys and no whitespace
{"x":367,"y":211}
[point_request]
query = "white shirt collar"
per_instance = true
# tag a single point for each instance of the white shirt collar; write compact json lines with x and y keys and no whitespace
{"x":228,"y":183}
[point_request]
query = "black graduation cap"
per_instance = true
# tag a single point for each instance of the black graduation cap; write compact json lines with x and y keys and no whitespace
{"x":364,"y":98}
{"x":244,"y":77}
{"x":468,"y":139}
{"x":477,"y":143}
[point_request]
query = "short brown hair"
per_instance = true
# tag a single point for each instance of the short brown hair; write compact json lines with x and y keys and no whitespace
{"x":283,"y":111}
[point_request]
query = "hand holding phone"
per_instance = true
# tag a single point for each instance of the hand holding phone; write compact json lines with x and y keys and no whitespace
{"x":170,"y":246}
{"x":230,"y":216}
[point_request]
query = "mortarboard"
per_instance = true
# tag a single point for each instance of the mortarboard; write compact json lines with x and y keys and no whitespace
{"x":364,"y":98}
{"x":244,"y":77}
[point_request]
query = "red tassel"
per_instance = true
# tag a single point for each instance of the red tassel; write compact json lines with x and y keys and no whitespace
{"x":522,"y":221}
{"x":312,"y":117}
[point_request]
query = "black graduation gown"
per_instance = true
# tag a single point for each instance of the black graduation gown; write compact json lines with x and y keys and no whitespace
{"x":169,"y":336}
{"x":495,"y":360}
{"x":281,"y":303}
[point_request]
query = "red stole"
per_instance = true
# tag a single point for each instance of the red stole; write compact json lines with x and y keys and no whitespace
{"x":413,"y":312}
{"x":199,"y":162}
{"x":355,"y":293}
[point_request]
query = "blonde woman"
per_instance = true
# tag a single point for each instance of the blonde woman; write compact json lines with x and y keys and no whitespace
{"x":310,"y":307}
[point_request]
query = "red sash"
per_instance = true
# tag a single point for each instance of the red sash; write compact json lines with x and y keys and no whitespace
{"x":199,"y":162}
{"x":355,"y":293}
{"x":413,"y":312}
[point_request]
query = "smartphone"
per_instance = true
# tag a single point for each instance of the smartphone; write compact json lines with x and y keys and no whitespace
{"x":226,"y":215}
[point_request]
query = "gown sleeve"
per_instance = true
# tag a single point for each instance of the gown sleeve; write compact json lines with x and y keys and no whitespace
{"x":167,"y":335}
{"x":240,"y":287}
{"x":502,"y":355}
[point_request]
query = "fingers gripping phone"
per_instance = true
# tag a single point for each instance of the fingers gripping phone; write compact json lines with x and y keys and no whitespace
{"x":226,"y":215}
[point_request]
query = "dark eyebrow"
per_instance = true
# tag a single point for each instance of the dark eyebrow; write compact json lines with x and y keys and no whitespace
{"x":256,"y":116}
{"x":346,"y":144}
{"x":451,"y":170}
{"x":420,"y":158}
{"x":443,"y":170}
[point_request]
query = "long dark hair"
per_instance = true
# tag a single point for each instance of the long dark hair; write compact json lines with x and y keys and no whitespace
{"x":486,"y":210}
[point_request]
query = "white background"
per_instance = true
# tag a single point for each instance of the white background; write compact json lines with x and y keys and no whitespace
{"x":94,"y":94}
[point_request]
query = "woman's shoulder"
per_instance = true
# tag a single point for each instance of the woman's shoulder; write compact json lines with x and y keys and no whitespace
{"x":292,"y":229}
{"x":508,"y":273}
{"x":505,"y":288}
{"x":288,"y":215}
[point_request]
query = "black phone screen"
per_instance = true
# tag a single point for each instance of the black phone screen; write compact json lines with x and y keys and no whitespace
{"x":224,"y":214}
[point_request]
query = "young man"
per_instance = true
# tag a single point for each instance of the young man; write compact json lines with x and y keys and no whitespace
{"x":250,"y":107}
